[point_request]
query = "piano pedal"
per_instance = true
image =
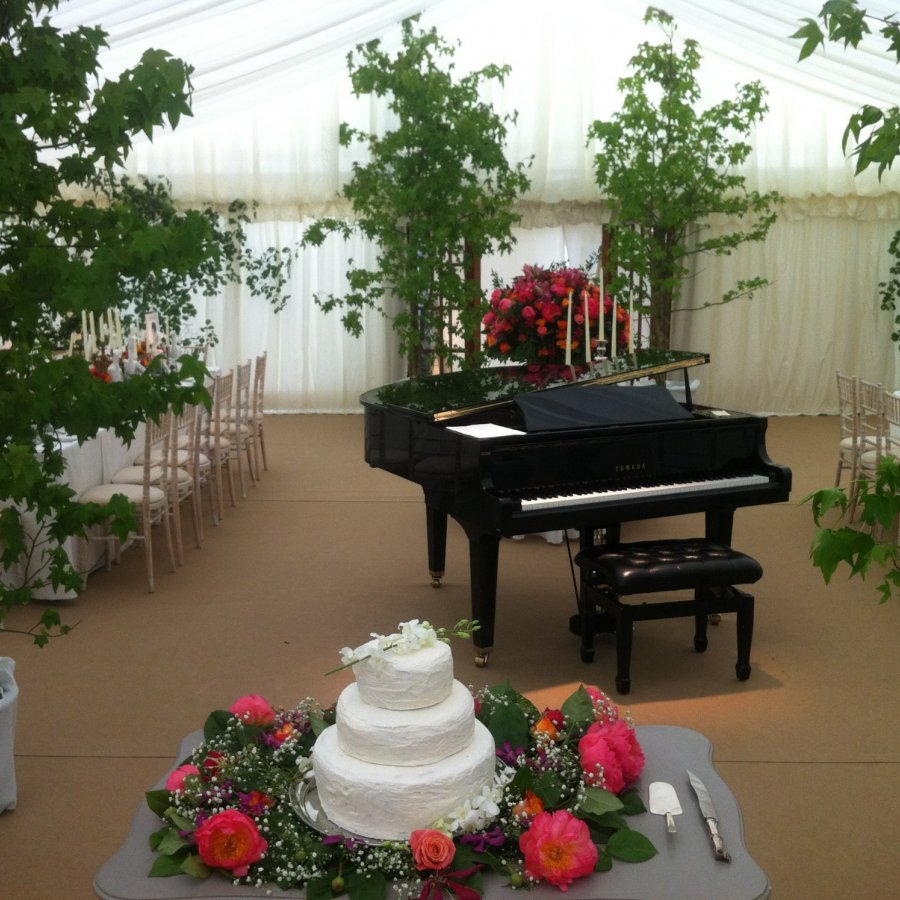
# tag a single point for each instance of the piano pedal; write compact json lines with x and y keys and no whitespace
{"x":715,"y":618}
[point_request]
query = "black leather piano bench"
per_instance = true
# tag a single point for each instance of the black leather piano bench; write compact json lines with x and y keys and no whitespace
{"x":620,"y":570}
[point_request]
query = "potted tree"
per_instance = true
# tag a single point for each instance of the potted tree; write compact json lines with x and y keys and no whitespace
{"x":667,"y":168}
{"x":435,"y":196}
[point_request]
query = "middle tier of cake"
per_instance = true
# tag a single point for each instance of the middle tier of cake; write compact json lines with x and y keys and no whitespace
{"x":402,"y":737}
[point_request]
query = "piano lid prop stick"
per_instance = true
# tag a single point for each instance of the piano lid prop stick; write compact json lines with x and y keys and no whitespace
{"x":602,"y":328}
{"x":569,"y":332}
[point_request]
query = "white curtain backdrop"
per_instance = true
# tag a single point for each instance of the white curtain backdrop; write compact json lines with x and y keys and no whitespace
{"x":271,"y":89}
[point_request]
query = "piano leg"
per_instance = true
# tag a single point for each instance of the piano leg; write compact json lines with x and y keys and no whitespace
{"x":436,"y":522}
{"x":719,"y":525}
{"x":484,"y":551}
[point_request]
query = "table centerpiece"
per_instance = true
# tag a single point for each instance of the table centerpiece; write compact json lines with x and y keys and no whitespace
{"x":556,"y":811}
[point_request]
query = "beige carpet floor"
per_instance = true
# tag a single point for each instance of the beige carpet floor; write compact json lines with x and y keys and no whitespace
{"x":325,"y":550}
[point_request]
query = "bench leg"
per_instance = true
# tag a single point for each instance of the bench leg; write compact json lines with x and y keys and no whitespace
{"x":744,"y":635}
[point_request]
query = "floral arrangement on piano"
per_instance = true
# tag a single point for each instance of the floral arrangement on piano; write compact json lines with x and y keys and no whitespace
{"x":556,"y":814}
{"x":551,"y":317}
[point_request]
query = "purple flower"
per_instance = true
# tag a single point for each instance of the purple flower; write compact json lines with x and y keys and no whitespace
{"x":480,"y":842}
{"x":509,"y":755}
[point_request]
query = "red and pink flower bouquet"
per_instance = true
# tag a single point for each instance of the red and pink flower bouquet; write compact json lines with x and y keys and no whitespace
{"x":551,"y":316}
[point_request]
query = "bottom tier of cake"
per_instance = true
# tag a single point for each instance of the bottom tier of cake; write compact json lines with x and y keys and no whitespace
{"x":390,"y":802}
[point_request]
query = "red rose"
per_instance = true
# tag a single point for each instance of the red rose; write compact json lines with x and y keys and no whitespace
{"x":213,"y":762}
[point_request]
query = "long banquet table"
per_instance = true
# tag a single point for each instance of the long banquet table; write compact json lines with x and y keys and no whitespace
{"x":684,"y":868}
{"x":87,"y":464}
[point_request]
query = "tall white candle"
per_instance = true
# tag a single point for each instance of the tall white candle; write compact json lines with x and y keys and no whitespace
{"x":630,"y":325}
{"x":602,"y":303}
{"x":612,"y":351}
{"x":84,"y":333}
{"x":587,"y":326}
{"x":569,"y":333}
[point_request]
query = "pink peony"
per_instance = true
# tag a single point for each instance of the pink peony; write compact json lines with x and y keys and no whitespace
{"x":598,"y":759}
{"x":615,"y":748}
{"x":175,"y":781}
{"x":432,"y":849}
{"x":558,"y":848}
{"x":230,"y":840}
{"x":253,"y":710}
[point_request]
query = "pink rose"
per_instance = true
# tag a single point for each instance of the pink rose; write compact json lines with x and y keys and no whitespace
{"x":558,"y":848}
{"x":175,"y":781}
{"x":253,"y":710}
{"x":604,"y":709}
{"x":230,"y":840}
{"x":432,"y":849}
{"x":528,"y":312}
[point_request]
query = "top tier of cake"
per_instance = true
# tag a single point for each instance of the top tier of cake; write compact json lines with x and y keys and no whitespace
{"x":406,"y":680}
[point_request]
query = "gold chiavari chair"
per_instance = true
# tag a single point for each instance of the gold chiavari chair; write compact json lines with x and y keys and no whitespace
{"x":149,"y":494}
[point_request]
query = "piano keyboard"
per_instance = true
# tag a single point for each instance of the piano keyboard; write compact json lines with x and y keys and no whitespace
{"x":640,"y":492}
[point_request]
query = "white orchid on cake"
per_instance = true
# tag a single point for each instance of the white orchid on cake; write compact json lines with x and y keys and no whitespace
{"x":445,"y":786}
{"x":413,"y":635}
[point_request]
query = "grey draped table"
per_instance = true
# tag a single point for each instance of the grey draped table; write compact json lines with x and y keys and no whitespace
{"x":683,"y":869}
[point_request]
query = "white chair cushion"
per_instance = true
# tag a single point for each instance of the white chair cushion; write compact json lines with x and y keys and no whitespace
{"x":103,"y":493}
{"x":135,"y":475}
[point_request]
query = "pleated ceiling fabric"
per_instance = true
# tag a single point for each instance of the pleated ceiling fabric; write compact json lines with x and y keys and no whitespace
{"x":271,"y":88}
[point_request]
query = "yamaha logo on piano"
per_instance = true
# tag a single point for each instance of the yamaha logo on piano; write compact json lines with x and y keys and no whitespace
{"x":631,"y":468}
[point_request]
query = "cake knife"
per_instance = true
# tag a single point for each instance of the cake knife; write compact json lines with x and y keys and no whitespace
{"x":708,"y":811}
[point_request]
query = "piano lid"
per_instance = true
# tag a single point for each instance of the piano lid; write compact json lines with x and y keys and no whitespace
{"x":452,"y":395}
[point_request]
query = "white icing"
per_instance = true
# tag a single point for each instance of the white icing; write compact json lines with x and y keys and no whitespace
{"x":389,"y":802}
{"x":406,"y":681}
{"x":404,"y":737}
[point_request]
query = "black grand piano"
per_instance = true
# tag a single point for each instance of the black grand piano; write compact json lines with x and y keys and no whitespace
{"x":504,"y":453}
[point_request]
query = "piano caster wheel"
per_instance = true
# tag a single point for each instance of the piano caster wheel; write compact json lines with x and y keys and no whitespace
{"x":436,"y":579}
{"x":700,"y":644}
{"x":623,"y":684}
{"x":742,"y":671}
{"x":481,"y":658}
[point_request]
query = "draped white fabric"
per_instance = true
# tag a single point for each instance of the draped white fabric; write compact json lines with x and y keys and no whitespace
{"x":271,"y":88}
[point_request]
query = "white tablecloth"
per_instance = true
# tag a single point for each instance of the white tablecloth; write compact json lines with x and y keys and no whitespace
{"x":93,"y":462}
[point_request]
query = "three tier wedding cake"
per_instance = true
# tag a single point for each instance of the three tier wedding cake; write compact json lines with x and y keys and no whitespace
{"x":406,"y":750}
